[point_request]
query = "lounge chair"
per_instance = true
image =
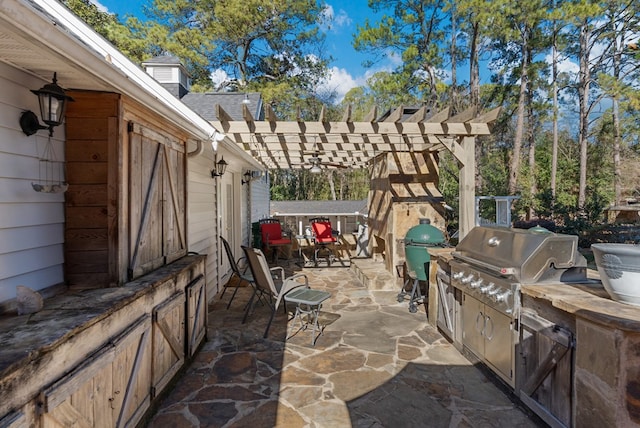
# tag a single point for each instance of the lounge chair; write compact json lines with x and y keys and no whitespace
{"x":267,"y":286}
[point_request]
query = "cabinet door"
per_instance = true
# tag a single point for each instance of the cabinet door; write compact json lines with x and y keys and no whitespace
{"x":111,"y":389}
{"x":168,"y":341}
{"x":545,"y":367}
{"x":498,"y":347}
{"x":473,"y":324}
{"x":196,"y":313}
{"x":446,"y":302}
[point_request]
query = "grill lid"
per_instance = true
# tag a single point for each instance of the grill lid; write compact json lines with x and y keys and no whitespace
{"x":424,"y":235}
{"x":530,"y":256}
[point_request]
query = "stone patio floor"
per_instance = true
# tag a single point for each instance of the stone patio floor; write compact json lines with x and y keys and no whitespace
{"x":375,"y":365}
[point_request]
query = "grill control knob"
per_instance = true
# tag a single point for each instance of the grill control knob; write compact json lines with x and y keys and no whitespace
{"x":458,"y":275}
{"x":467,"y":279}
{"x":502,"y":297}
{"x":476,"y":284}
{"x":493,"y":291}
{"x":487,"y":288}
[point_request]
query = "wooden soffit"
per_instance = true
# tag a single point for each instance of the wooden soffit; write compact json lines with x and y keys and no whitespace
{"x":348,"y":144}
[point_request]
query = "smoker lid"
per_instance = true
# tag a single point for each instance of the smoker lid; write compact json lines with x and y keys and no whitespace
{"x":526,"y":255}
{"x":424,"y":235}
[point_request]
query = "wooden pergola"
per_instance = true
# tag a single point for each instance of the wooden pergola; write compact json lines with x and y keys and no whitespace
{"x":347,"y":144}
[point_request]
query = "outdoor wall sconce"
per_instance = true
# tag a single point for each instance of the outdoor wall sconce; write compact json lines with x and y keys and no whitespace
{"x":221,"y":167}
{"x":53,"y":104}
{"x":247,"y":177}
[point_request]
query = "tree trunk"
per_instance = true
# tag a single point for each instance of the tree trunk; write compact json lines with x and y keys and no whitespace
{"x":454,"y":64}
{"x":617,"y":139}
{"x":474,"y":66}
{"x":583,"y":94}
{"x":474,"y":89}
{"x":514,"y":166}
{"x":332,"y":185}
{"x":554,"y":145}
{"x":533,"y":188}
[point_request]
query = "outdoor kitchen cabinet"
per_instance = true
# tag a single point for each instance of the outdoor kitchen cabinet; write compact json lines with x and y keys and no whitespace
{"x":544,"y":368}
{"x":489,"y":335}
{"x":110,"y":389}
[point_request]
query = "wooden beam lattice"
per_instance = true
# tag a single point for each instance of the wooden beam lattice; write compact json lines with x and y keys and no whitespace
{"x":347,"y":143}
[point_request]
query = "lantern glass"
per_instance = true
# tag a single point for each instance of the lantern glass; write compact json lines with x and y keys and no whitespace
{"x":221,"y":167}
{"x":51,"y":109}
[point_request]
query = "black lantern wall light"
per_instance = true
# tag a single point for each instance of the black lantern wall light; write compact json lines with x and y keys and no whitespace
{"x":220,"y":168}
{"x":53,"y":104}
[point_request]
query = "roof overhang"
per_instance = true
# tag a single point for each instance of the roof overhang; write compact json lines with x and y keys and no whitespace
{"x":41,"y":37}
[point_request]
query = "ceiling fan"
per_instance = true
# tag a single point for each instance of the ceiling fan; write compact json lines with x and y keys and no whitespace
{"x":316,"y":163}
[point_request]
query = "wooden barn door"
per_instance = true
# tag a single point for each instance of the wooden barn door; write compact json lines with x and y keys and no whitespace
{"x":196,"y":313}
{"x":168,"y":341}
{"x":118,"y":374}
{"x":157,"y":200}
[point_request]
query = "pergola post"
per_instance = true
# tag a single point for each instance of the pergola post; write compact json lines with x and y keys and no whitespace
{"x":467,"y":189}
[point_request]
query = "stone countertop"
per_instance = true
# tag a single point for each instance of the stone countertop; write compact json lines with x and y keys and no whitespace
{"x":443,"y":253}
{"x":24,"y":338}
{"x":588,"y":300}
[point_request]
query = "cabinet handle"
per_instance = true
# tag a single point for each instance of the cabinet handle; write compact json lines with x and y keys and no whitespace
{"x":480,"y":318}
{"x":490,"y":321}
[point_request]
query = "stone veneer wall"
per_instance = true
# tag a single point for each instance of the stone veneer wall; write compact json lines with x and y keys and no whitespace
{"x":404,"y":189}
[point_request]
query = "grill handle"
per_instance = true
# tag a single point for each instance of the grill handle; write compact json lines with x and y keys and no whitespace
{"x":482,"y":264}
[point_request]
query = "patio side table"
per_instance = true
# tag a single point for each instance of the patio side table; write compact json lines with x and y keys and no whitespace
{"x":308,"y":303}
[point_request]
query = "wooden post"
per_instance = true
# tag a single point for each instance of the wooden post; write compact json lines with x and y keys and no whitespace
{"x":467,"y":187}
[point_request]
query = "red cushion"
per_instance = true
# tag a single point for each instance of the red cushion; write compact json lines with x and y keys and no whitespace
{"x":322,"y":232}
{"x":281,"y":241}
{"x":271,"y":232}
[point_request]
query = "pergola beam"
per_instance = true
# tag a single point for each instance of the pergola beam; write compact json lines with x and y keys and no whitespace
{"x":386,"y":128}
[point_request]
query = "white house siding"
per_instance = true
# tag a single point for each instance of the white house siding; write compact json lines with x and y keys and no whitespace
{"x":260,"y":198}
{"x":202,"y":215}
{"x":31,"y":223}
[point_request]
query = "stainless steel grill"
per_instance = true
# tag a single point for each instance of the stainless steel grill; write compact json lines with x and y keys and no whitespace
{"x":489,"y":266}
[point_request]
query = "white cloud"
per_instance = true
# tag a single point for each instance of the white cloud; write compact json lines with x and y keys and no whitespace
{"x":329,"y":20}
{"x":340,"y":81}
{"x":393,"y":58}
{"x":218,"y":77}
{"x":100,"y":6}
{"x":565,"y":66}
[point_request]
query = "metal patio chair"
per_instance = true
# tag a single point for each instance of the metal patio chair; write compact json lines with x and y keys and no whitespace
{"x":267,"y":286}
{"x":273,"y":238}
{"x":323,"y":238}
{"x":243,"y":278}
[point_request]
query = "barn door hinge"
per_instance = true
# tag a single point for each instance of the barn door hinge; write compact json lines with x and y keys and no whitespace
{"x":129,"y":126}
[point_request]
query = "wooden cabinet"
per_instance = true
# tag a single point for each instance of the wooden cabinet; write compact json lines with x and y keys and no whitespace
{"x":125,"y":210}
{"x":110,"y":389}
{"x":545,"y":366}
{"x":14,"y":420}
{"x":168,"y":341}
{"x":196,"y":314}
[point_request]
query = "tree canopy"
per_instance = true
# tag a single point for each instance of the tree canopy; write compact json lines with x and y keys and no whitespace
{"x":565,"y":72}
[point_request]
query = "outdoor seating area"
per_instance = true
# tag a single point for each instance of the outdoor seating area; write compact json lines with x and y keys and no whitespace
{"x":375,"y":364}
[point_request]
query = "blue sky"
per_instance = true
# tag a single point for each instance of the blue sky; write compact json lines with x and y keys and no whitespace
{"x":346,"y":71}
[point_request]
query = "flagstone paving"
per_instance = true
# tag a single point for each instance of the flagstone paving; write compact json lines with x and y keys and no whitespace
{"x":375,"y":365}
